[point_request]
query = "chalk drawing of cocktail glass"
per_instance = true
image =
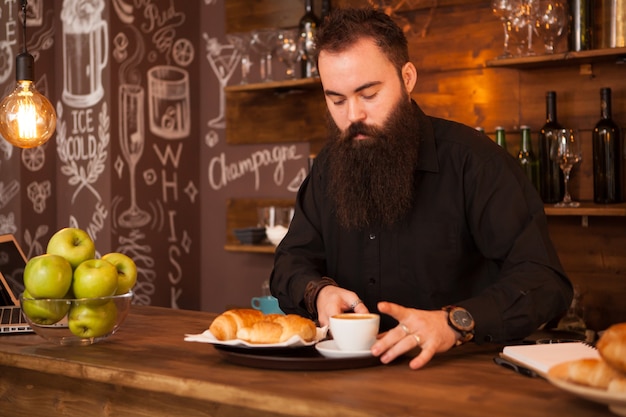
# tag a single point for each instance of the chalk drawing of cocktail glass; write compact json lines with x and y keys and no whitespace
{"x":241,"y":42}
{"x":223,"y":60}
{"x":264,"y":43}
{"x":168,"y":102}
{"x":85,"y":53}
{"x":132,"y":140}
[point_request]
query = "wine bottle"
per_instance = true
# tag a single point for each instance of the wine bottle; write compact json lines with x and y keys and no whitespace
{"x":550,"y":174}
{"x":325,"y":9}
{"x":308,"y":26}
{"x":581,"y":21}
{"x":607,"y":155}
{"x":527,"y":159}
{"x":501,"y":137}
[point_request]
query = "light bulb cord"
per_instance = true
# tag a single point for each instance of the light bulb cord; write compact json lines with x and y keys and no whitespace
{"x":24,"y":4}
{"x":24,"y":62}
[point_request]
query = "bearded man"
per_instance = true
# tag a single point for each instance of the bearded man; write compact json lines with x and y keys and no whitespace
{"x":423,"y":220}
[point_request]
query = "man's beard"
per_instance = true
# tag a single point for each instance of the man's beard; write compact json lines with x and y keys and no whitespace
{"x":372,"y":180}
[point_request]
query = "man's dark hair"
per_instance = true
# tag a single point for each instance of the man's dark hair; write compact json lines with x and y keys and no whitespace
{"x":343,"y":27}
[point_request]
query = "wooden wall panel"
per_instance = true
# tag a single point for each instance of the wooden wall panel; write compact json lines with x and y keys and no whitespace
{"x":595,"y":260}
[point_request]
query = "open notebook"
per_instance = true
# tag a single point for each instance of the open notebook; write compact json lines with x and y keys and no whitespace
{"x":12,"y":264}
{"x":541,"y":357}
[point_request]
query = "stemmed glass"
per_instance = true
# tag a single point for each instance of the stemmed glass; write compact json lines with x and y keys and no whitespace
{"x":504,"y":10}
{"x":565,"y":150}
{"x":241,"y":42}
{"x":550,"y":22}
{"x":523,"y":25}
{"x":288,"y":50}
{"x":263,"y":42}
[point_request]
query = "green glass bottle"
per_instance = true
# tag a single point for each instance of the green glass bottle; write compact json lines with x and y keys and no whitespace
{"x":501,"y":137}
{"x":527,"y":158}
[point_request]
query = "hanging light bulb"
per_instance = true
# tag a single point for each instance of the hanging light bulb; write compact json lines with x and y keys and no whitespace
{"x":27,"y":118}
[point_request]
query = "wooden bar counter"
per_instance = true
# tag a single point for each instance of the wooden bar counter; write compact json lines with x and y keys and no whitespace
{"x":147,"y":369}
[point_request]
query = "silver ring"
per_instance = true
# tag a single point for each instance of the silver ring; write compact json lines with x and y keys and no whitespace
{"x":356,"y":303}
{"x":406,"y":329}
{"x":417,"y":339}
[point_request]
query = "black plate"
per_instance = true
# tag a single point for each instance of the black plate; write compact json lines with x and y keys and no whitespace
{"x":292,"y":359}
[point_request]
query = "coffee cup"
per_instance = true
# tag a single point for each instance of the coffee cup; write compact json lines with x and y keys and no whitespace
{"x":267,"y":304}
{"x":354,"y":331}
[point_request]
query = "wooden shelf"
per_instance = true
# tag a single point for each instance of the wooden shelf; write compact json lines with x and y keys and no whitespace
{"x":587,"y":209}
{"x":262,"y":248}
{"x":285,"y":85}
{"x":581,"y":57}
{"x":287,"y":111}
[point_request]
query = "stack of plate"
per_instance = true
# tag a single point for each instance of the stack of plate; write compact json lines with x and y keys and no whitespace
{"x":250,"y":235}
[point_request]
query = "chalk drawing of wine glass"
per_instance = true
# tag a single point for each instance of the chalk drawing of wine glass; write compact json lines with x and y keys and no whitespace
{"x":224,"y":60}
{"x":132,"y":139}
{"x":241,"y":42}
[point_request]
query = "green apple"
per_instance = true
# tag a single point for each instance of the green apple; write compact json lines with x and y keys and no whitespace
{"x":94,"y":278}
{"x":73,"y":244}
{"x":87,"y":319}
{"x":44,"y":312}
{"x":48,"y":276}
{"x":126,"y":271}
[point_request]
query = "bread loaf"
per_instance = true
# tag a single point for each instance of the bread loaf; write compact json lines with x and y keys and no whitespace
{"x":254,"y":327}
{"x":612,"y":346}
{"x":618,"y":385}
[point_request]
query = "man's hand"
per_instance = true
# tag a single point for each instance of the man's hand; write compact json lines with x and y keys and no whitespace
{"x":427,"y":329}
{"x":333,"y":300}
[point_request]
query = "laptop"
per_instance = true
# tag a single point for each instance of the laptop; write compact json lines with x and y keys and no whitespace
{"x":12,"y":264}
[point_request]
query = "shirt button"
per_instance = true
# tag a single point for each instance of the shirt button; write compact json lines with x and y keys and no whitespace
{"x":372,"y":236}
{"x":372,"y":281}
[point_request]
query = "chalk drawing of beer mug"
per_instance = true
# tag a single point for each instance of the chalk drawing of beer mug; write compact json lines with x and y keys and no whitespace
{"x":168,"y":102}
{"x":85,"y":55}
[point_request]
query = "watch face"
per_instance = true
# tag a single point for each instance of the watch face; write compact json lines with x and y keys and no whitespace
{"x":463,"y":319}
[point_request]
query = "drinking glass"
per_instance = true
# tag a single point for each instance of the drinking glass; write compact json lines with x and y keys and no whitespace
{"x":263,"y":42}
{"x":288,"y":50}
{"x":550,"y":22}
{"x":565,"y":150}
{"x":241,"y":42}
{"x":523,"y":25}
{"x":504,"y":10}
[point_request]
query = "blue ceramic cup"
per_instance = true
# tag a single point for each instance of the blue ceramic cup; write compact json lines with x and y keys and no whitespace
{"x":267,"y":304}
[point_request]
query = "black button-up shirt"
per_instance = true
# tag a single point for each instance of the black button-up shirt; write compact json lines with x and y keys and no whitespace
{"x":476,"y":237}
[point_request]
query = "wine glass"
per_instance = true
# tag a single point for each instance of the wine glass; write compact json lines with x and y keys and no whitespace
{"x":565,"y":150}
{"x":241,"y":42}
{"x":550,"y":22}
{"x":504,"y":10}
{"x":288,"y":50}
{"x":263,"y":42}
{"x":523,"y":26}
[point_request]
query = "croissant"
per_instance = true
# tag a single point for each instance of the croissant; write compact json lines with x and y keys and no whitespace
{"x":254,"y":327}
{"x":226,"y":325}
{"x":612,"y":346}
{"x":591,"y":372}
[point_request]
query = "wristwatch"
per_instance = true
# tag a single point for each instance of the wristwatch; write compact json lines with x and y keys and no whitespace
{"x":462,"y":321}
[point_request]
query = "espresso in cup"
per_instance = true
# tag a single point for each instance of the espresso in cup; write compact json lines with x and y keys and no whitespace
{"x":354,"y":331}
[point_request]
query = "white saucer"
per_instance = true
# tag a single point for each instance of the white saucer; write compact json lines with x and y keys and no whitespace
{"x":329,"y":349}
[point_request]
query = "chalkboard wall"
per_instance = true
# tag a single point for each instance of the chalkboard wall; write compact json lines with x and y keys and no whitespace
{"x":139,"y":158}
